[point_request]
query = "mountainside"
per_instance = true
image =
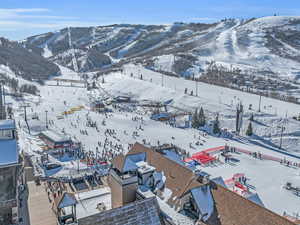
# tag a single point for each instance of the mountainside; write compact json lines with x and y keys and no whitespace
{"x":25,"y":63}
{"x":269,"y":45}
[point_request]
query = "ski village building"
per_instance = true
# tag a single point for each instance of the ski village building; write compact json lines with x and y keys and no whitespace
{"x":9,"y":169}
{"x":183,"y":196}
{"x":149,"y":186}
{"x":54,"y":140}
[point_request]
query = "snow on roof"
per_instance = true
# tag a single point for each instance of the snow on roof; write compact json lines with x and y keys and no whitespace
{"x":54,"y":136}
{"x":159,"y":179}
{"x":88,"y":201}
{"x":173,"y":156}
{"x":131,"y":160}
{"x":145,"y":191}
{"x":256,"y":199}
{"x":220,"y":181}
{"x":166,"y":194}
{"x":88,"y":207}
{"x":204,"y":200}
{"x":129,"y":165}
{"x":8,"y":152}
{"x":7,"y":125}
{"x":175,"y":217}
{"x":144,"y":167}
{"x":92,"y":194}
{"x":67,"y":200}
{"x":158,"y":176}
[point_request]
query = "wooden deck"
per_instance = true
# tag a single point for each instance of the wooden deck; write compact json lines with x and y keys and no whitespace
{"x":40,"y":211}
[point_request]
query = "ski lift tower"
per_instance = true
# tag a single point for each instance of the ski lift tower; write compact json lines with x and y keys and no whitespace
{"x":2,"y":101}
{"x":25,"y":106}
{"x":239,"y":117}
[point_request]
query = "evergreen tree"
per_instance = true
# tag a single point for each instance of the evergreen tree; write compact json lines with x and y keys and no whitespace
{"x":216,"y":127}
{"x":201,"y":118}
{"x":249,"y":131}
{"x":103,"y":80}
{"x":195,"y":121}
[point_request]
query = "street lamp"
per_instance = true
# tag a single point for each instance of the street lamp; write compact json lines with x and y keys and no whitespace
{"x":46,"y":119}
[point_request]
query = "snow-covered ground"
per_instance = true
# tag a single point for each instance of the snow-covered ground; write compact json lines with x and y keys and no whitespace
{"x":213,"y":98}
{"x":267,"y":177}
{"x":244,"y":45}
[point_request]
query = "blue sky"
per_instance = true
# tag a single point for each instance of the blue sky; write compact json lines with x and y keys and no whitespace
{"x":22,"y":18}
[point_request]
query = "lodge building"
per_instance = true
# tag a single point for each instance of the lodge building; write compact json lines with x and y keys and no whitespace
{"x":9,"y":170}
{"x":182,"y":194}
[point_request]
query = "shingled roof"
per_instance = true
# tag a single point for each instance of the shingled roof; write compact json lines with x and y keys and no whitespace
{"x":230,"y":208}
{"x":118,"y":162}
{"x":233,"y":209}
{"x":65,"y":200}
{"x":179,"y":178}
{"x":144,"y":212}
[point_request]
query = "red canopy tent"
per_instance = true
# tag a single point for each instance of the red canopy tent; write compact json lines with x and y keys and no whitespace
{"x":202,"y":158}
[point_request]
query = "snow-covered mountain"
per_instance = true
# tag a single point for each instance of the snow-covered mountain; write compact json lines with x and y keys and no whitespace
{"x":264,"y":45}
{"x":25,"y":63}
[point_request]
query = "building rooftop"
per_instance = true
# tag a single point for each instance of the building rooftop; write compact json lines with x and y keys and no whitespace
{"x":87,"y":202}
{"x":55,"y":136}
{"x":129,"y":162}
{"x":145,"y":191}
{"x":143,"y":167}
{"x":144,"y":212}
{"x":229,"y":208}
{"x":172,"y":215}
{"x":65,"y":200}
{"x":9,"y":153}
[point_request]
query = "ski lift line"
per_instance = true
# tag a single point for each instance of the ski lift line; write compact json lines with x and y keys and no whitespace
{"x":174,"y":107}
{"x":106,"y":92}
{"x":74,"y":61}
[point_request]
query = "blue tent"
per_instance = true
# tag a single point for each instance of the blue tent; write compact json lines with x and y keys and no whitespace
{"x":160,"y":116}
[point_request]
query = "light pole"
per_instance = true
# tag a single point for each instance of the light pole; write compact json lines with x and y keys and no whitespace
{"x":25,"y":117}
{"x":259,"y":101}
{"x":281,"y":134}
{"x":46,"y":119}
{"x":196,"y":87}
{"x":78,"y":153}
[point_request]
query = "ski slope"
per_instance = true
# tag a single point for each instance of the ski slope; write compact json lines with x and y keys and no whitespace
{"x":56,"y":99}
{"x":214,"y":98}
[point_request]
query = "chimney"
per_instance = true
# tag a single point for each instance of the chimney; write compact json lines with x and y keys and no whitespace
{"x":123,"y":187}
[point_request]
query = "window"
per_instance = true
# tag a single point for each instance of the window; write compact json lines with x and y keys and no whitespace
{"x":6,"y":134}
